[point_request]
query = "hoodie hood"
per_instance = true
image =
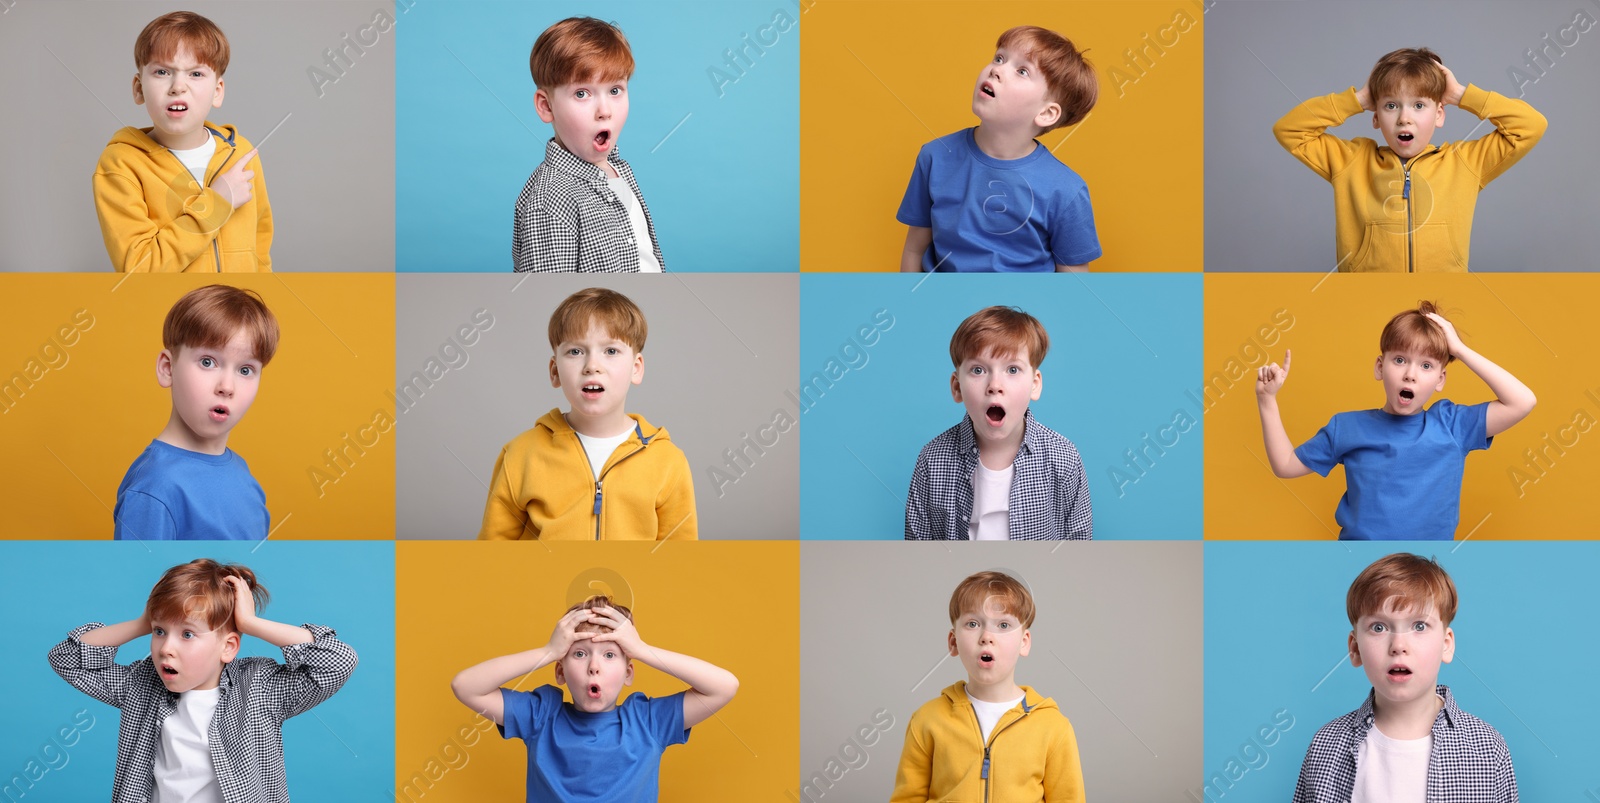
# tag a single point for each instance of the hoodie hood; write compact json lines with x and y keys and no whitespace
{"x":140,"y":137}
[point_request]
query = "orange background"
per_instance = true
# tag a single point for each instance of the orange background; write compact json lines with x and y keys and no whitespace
{"x":880,"y":79}
{"x":1539,"y":327}
{"x":69,"y":438}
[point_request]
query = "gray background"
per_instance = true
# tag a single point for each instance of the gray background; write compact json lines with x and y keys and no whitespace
{"x":1265,"y":211}
{"x":1123,"y":621}
{"x":329,"y":168}
{"x":720,"y":354}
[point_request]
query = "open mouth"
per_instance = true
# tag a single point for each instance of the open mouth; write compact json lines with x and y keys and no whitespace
{"x":985,"y":659}
{"x":602,"y":140}
{"x":593,"y":388}
{"x":178,"y":107}
{"x":986,"y":88}
{"x":219,"y":413}
{"x":996,"y":413}
{"x":168,"y":671}
{"x":1405,"y":136}
{"x":594,"y":691}
{"x":1408,"y":394}
{"x":1399,"y":672}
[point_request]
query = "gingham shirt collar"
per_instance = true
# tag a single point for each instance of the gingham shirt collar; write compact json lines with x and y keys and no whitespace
{"x":1469,"y":762}
{"x":967,"y":439}
{"x":562,"y":159}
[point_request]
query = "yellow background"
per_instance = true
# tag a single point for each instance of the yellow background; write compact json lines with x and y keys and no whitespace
{"x":733,"y":604}
{"x":1539,"y":327}
{"x":68,"y":441}
{"x":871,"y":70}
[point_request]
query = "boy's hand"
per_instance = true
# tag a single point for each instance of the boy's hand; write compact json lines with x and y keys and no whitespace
{"x":1364,"y":98}
{"x":244,"y":605}
{"x":1452,"y":339}
{"x":1270,"y":378}
{"x":234,"y":183}
{"x":623,"y":633}
{"x":1453,"y":89}
{"x":566,"y":634}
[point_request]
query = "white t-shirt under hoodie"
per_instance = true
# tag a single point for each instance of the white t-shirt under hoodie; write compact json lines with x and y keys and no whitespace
{"x":195,"y":160}
{"x":989,"y":714}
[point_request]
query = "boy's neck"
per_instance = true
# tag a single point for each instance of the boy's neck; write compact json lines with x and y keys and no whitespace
{"x":178,"y":434}
{"x":1412,"y":720}
{"x":1001,"y":691}
{"x":608,"y":426}
{"x":999,"y":455}
{"x":998,"y":143}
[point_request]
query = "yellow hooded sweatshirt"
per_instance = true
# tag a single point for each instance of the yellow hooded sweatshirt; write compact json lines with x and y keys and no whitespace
{"x":543,"y":487}
{"x":156,"y":219}
{"x":1032,"y":754}
{"x":1416,"y":216}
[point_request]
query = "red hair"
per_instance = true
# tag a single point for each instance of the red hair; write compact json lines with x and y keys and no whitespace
{"x":160,"y":40}
{"x":1069,"y":78}
{"x":198,"y":590}
{"x":577,"y":49}
{"x":1002,"y":331}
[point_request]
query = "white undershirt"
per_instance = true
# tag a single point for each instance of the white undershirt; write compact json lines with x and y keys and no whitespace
{"x":196,"y":159}
{"x":641,"y":227}
{"x":989,"y":713}
{"x":1391,"y":770}
{"x":991,"y":499}
{"x":599,"y":450}
{"x":182,"y":765}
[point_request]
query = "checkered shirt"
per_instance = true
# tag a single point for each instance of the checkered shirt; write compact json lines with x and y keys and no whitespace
{"x":1049,"y":497}
{"x":257,"y":695}
{"x":1469,"y":763}
{"x":569,"y":220}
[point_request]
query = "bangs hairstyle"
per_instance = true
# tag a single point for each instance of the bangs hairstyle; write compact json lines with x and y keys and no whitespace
{"x":595,"y":603}
{"x":1401,"y":581}
{"x":1001,"y":592}
{"x":1412,"y":330}
{"x":1069,"y":78}
{"x":196,"y":591}
{"x":1002,"y":331}
{"x":615,"y":312}
{"x":160,"y":40}
{"x":1415,"y":68}
{"x":209,"y":317}
{"x":578,"y":49}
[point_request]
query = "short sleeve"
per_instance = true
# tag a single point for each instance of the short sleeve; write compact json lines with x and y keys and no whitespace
{"x":1321,"y":453}
{"x":1073,"y":240}
{"x":662,"y":717}
{"x":916,"y":208}
{"x":1468,"y":425}
{"x":525,"y":713}
{"x":142,"y":517}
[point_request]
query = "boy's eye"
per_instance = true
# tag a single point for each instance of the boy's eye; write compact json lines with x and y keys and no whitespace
{"x":1005,"y":625}
{"x":611,"y":654}
{"x":1378,"y":627}
{"x":616,"y":91}
{"x":1419,"y":627}
{"x":1015,"y":369}
{"x":1427,"y":365}
{"x":998,"y":58}
{"x":574,"y":351}
{"x":207,"y":362}
{"x":581,"y":94}
{"x":976,"y":369}
{"x":613,"y":351}
{"x":1022,"y":71}
{"x":246,"y":370}
{"x":158,"y":631}
{"x":188,"y":634}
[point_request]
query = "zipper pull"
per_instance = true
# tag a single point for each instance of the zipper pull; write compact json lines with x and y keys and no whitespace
{"x":597,"y":497}
{"x":985,"y":774}
{"x":1405,"y":192}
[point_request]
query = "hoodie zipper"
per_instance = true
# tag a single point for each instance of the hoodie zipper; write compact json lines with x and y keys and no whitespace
{"x":599,"y":481}
{"x":1405,"y":193}
{"x":984,"y":774}
{"x":216,"y":250}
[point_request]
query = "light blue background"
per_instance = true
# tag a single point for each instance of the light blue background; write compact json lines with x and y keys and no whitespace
{"x":340,"y":750}
{"x":1123,"y":349}
{"x":1524,"y":627}
{"x":723,"y":190}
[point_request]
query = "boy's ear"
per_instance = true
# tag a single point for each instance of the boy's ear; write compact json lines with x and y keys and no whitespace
{"x":541,"y":105}
{"x":1441,"y":115}
{"x":138,"y":91}
{"x":1038,"y":384}
{"x":1441,"y":381}
{"x":1377,"y":368}
{"x":164,"y":369}
{"x":1355,"y":652}
{"x":951,"y":643}
{"x":955,"y":394}
{"x":627,"y":676}
{"x":230,"y":646}
{"x":555,"y":378}
{"x":1449,"y":646}
{"x":1027,"y":642}
{"x":638,"y":369}
{"x":216,"y":100}
{"x":1048,"y":116}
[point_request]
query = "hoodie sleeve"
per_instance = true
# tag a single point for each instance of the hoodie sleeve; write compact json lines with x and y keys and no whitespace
{"x":1063,"y":771}
{"x":263,"y":220}
{"x":675,"y":512}
{"x":1517,"y":128}
{"x":135,"y":241}
{"x":504,"y":519}
{"x":1303,"y":132}
{"x":912,"y":778}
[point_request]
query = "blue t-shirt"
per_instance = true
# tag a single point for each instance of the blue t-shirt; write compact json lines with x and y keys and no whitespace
{"x":1402,"y":472}
{"x":993,"y":215}
{"x":577,"y":756}
{"x":173,"y":494}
